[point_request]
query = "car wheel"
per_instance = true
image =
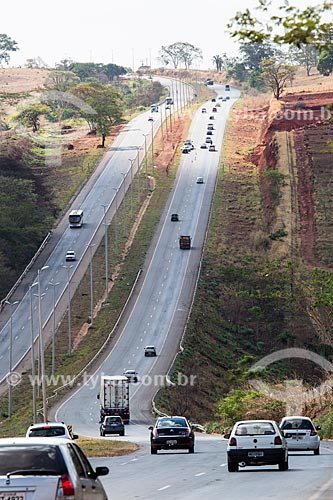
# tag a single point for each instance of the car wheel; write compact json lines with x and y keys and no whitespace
{"x":316,"y":451}
{"x":232,"y":467}
{"x":122,"y":433}
{"x":102,"y":434}
{"x":284,"y":465}
{"x":153,"y":451}
{"x":191,"y":449}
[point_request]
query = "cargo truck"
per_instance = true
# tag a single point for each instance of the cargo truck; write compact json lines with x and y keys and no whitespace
{"x":114,"y":397}
{"x":184,"y":242}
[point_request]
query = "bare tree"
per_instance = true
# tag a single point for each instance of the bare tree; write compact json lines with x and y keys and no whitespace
{"x":275,"y":74}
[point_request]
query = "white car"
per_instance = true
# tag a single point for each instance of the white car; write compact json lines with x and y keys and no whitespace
{"x":51,"y":429}
{"x":70,"y":255}
{"x":256,"y":442}
{"x":301,"y":434}
{"x":131,"y":375}
{"x":150,"y":350}
{"x":200,"y":180}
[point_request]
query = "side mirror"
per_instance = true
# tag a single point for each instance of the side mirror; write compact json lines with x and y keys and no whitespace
{"x":282,"y":432}
{"x":102,"y":471}
{"x":318,"y":428}
{"x":226,"y":436}
{"x":97,"y":396}
{"x":75,"y":436}
{"x":150,"y":427}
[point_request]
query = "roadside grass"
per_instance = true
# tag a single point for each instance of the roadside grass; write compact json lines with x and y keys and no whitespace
{"x":106,"y":447}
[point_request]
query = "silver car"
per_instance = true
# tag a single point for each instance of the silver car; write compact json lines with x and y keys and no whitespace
{"x":47,"y":469}
{"x":301,"y":434}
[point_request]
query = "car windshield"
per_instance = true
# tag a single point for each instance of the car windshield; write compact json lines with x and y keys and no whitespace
{"x":47,"y":432}
{"x":255,"y":428}
{"x":31,"y":458}
{"x":172,"y":422}
{"x":297,"y":424}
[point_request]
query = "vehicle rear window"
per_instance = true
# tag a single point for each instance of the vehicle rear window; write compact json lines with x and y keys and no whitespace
{"x":47,"y":432}
{"x":255,"y":429}
{"x":297,"y":424}
{"x":31,"y":458}
{"x":172,"y":422}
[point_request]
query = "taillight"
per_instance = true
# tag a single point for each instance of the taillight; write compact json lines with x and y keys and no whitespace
{"x":277,"y":440}
{"x":313,"y":433}
{"x":233,"y":442}
{"x":65,"y":488}
{"x":155,"y":433}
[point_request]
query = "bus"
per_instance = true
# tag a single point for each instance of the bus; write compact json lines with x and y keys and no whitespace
{"x":76,"y":218}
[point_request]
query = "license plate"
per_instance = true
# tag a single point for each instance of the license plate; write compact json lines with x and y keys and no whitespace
{"x":171,"y":441}
{"x":12,"y":495}
{"x":297,"y":437}
{"x":255,"y":454}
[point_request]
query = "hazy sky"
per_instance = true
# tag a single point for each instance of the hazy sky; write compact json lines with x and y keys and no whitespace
{"x":122,"y":32}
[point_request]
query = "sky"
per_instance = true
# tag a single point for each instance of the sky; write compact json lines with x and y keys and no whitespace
{"x":128,"y":33}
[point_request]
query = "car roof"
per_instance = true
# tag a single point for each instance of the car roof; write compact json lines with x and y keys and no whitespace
{"x":50,"y":424}
{"x":296,"y":417}
{"x":31,"y":441}
{"x":255,"y":421}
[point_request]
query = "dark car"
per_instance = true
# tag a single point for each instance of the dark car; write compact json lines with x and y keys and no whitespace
{"x":112,"y":425}
{"x":171,"y":433}
{"x":209,"y":140}
{"x":209,"y":132}
{"x":186,"y":149}
{"x":43,"y":468}
{"x":203,"y":146}
{"x":174,"y":218}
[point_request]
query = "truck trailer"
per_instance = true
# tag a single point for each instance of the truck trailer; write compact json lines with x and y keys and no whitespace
{"x":114,"y":397}
{"x":184,"y":242}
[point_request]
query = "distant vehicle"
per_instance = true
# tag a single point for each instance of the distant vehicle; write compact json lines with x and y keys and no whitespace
{"x":70,"y":255}
{"x":112,"y":425}
{"x":218,"y":105}
{"x":256,"y":442}
{"x":213,"y":100}
{"x":154,"y":108}
{"x":214,"y":110}
{"x":301,"y":434}
{"x":171,"y":433}
{"x":186,"y":149}
{"x":50,"y":429}
{"x":150,"y":350}
{"x":131,"y":375}
{"x":212,"y":147}
{"x":212,"y":117}
{"x":184,"y":242}
{"x":47,"y":469}
{"x":189,"y":143}
{"x":167,"y":107}
{"x":75,"y":218}
{"x":209,"y":82}
{"x":227,"y":87}
{"x":227,"y":98}
{"x":210,"y":126}
{"x":114,"y":397}
{"x":203,"y":146}
{"x":200,"y":180}
{"x":209,"y":132}
{"x":174,"y":218}
{"x":204,"y":110}
{"x":209,"y":140}
{"x":169,"y":100}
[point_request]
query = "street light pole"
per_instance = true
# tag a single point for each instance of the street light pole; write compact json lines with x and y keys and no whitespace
{"x":11,"y":304}
{"x":152,"y":144}
{"x":106,"y":256}
{"x":69,"y":310}
{"x":54,"y":327}
{"x":138,"y":149}
{"x":146,"y":160}
{"x":33,"y":374}
{"x":42,"y":360}
{"x":124,"y":176}
{"x":131,"y":186}
{"x":91,"y":286}
{"x":116,"y":221}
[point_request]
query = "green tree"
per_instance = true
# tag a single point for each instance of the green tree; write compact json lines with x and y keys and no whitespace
{"x":254,"y":53}
{"x":180,"y":52}
{"x":217,"y":60}
{"x":325,"y":62}
{"x":30,"y":116}
{"x":299,"y":26}
{"x":306,"y":55}
{"x":7,"y":45}
{"x":105,"y":100}
{"x":275,"y":75}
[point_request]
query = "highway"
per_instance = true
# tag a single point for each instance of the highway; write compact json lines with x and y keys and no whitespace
{"x":98,"y":200}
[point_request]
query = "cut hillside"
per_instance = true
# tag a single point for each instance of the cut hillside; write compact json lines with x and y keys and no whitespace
{"x":270,"y":230}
